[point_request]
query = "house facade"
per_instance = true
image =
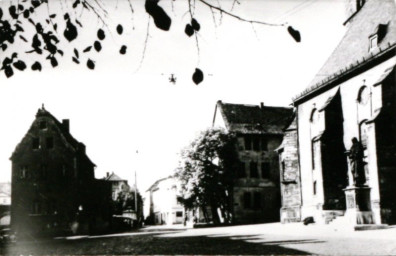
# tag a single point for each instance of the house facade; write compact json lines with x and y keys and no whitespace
{"x":54,"y":190}
{"x":349,"y":105}
{"x":162,"y":204}
{"x":259,"y":131}
{"x":118,"y":185}
{"x":5,"y":203}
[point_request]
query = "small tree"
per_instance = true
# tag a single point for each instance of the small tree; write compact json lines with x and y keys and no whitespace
{"x":207,"y":172}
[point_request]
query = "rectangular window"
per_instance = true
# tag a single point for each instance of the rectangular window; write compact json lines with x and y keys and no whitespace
{"x":265,"y":170}
{"x":179,"y":214}
{"x":283,"y":169}
{"x":264,"y":144}
{"x":43,"y":125}
{"x":43,"y":171}
{"x":256,"y":144}
{"x":35,"y":143}
{"x":24,"y":172}
{"x":248,"y":143}
{"x":242,"y":170}
{"x":247,"y":200}
{"x":257,"y":200}
{"x":50,"y":143}
{"x":253,"y":170}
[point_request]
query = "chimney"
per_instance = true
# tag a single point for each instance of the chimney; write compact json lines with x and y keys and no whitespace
{"x":261,"y":104}
{"x":107,"y":174}
{"x":66,"y":125}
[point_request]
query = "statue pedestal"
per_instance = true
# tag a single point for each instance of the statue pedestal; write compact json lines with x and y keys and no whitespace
{"x":358,"y":205}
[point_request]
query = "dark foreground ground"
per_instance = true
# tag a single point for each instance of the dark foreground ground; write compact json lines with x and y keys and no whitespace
{"x":250,"y":239}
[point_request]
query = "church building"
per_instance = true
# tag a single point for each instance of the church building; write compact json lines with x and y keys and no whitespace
{"x":345,"y":127}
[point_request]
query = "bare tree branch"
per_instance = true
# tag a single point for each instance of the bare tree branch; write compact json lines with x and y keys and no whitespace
{"x":238,"y":17}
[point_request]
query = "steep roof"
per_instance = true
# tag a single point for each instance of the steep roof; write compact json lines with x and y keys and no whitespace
{"x":155,"y":184}
{"x":353,"y":49}
{"x":113,"y":177}
{"x":74,"y":144}
{"x":254,"y":118}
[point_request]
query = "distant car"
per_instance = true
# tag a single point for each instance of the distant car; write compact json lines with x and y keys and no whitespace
{"x":7,"y":236}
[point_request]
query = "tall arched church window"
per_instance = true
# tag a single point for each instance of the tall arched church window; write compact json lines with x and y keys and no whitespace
{"x":363,"y":95}
{"x":363,"y":136}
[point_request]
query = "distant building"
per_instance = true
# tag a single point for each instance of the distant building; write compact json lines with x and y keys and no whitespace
{"x":54,"y":190}
{"x":5,"y":203}
{"x":259,"y":131}
{"x":161,"y":199}
{"x":352,"y":96}
{"x":118,"y":185}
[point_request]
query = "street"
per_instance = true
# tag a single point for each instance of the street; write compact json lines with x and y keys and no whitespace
{"x":273,"y":238}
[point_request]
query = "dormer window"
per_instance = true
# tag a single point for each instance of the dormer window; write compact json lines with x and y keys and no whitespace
{"x":373,"y":42}
{"x":377,"y":36}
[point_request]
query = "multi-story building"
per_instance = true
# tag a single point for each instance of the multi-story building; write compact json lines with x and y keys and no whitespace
{"x":162,"y":204}
{"x":352,"y":98}
{"x":259,"y":131}
{"x":5,"y":203}
{"x":118,"y":185}
{"x":53,"y":185}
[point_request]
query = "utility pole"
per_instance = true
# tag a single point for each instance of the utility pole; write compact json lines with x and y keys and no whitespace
{"x":136,"y":204}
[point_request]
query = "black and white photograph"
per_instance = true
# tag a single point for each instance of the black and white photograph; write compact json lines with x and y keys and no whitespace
{"x":198,"y":127}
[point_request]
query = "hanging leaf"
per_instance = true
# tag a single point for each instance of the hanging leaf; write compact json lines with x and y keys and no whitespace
{"x":21,"y":37}
{"x":79,"y":23}
{"x":119,"y":29}
{"x":97,"y":46}
{"x":294,"y":33}
{"x":26,"y":14}
{"x":36,"y":3}
{"x":195,"y":25}
{"x":4,"y":47}
{"x":198,"y":76}
{"x":161,"y":19}
{"x":60,"y":52}
{"x":123,"y":49}
{"x":36,"y":66}
{"x":20,"y":65}
{"x":75,"y":60}
{"x":70,"y":32}
{"x":54,"y":62}
{"x":8,"y":71}
{"x":1,"y":13}
{"x":90,"y":64}
{"x":101,"y":34}
{"x":52,"y":16}
{"x":76,"y":3}
{"x":87,"y":49}
{"x":12,"y":11}
{"x":76,"y":53}
{"x":20,"y":7}
{"x":189,"y":30}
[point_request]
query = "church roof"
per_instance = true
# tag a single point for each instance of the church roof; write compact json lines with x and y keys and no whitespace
{"x":376,"y":16}
{"x":254,"y":118}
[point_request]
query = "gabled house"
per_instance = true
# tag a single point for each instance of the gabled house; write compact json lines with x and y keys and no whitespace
{"x":352,"y":98}
{"x":162,"y":206}
{"x":259,"y":131}
{"x":54,"y":190}
{"x":118,"y":185}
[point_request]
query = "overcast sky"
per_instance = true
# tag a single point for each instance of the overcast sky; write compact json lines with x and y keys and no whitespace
{"x":127,"y":103}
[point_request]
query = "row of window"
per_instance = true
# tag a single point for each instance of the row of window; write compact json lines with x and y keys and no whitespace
{"x":25,"y":173}
{"x":255,"y":142}
{"x":49,"y":143}
{"x":252,"y":200}
{"x":254,"y":170}
{"x":43,"y":207}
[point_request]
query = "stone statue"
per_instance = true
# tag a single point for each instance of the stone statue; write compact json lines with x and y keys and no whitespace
{"x":356,"y":154}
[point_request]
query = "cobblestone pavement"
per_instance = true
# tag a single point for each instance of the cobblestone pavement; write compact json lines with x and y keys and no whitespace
{"x":261,"y":239}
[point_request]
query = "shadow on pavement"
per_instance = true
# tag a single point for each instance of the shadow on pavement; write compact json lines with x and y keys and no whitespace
{"x":153,"y":244}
